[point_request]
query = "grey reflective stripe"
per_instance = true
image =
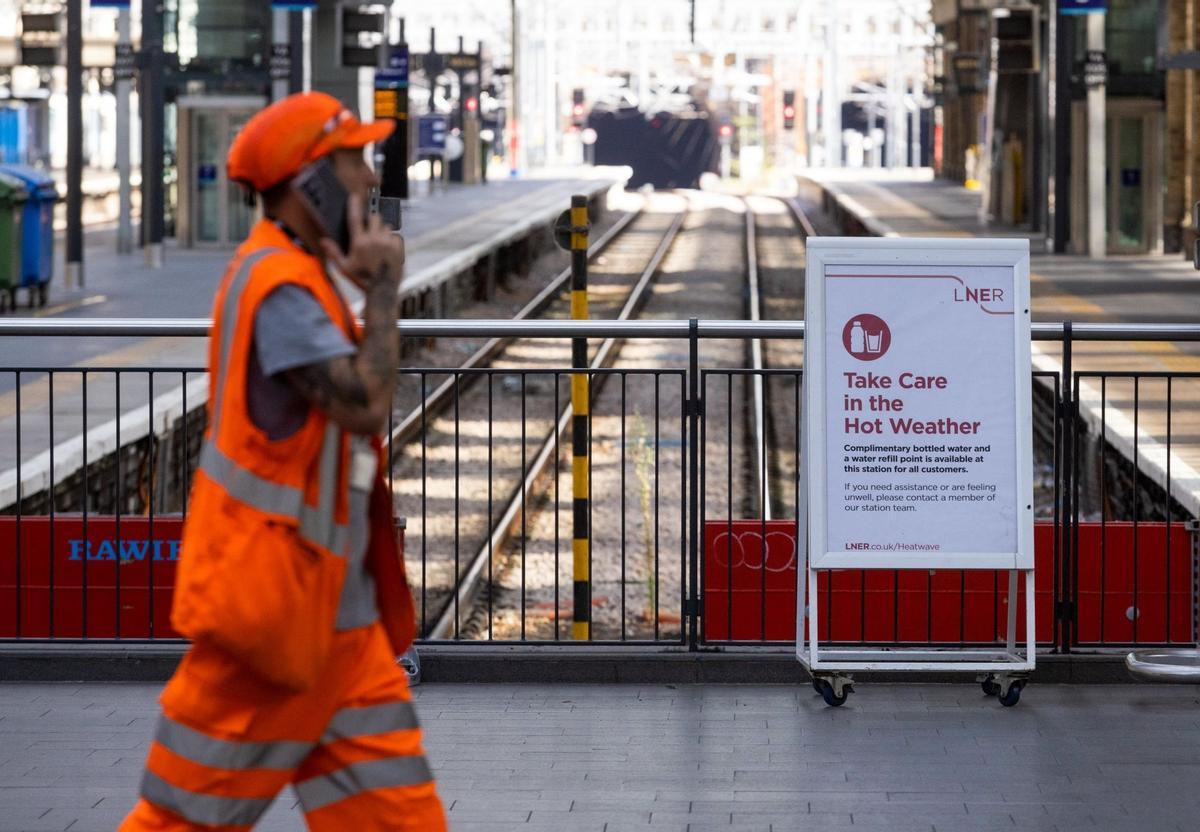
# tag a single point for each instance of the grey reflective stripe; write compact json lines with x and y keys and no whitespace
{"x":372,"y":719}
{"x":357,"y":606}
{"x":203,"y":809}
{"x":228,"y":754}
{"x":245,"y":486}
{"x":337,"y":541}
{"x":319,"y":525}
{"x":318,"y":792}
{"x":248,"y":487}
{"x":229,"y":316}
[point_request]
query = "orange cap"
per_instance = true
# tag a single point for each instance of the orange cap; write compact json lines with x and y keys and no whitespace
{"x":281,"y":139}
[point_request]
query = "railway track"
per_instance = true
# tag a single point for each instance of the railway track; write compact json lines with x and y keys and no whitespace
{"x":473,"y":452}
{"x":776,"y":232}
{"x":638,"y":472}
{"x":409,"y":426}
{"x":486,"y":453}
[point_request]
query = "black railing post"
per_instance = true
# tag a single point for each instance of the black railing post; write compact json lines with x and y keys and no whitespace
{"x":693,"y":603}
{"x":1066,"y":568}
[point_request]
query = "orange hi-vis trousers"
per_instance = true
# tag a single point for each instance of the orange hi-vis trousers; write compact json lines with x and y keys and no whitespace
{"x":227,"y":743}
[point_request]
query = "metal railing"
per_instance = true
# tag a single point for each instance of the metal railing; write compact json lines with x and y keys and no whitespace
{"x":504,"y":328}
{"x":91,"y":501}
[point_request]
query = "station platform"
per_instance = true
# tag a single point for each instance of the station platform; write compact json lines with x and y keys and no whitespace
{"x":1119,"y":289}
{"x":1127,"y":288}
{"x":748,"y":758}
{"x":442,"y":231}
{"x":447,"y":234}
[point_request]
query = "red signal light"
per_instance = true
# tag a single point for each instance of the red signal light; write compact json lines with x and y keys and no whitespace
{"x":577,"y":110}
{"x":726,"y":131}
{"x":789,"y":112}
{"x":472,"y":105}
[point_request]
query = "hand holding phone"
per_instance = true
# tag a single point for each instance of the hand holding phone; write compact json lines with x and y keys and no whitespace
{"x":374,"y":254}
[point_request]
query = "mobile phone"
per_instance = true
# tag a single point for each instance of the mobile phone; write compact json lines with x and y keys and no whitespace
{"x":319,"y":187}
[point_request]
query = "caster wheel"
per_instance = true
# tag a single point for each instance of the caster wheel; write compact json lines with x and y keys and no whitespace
{"x":990,"y":688}
{"x":831,"y":698}
{"x":816,"y":683}
{"x":1013,"y":696}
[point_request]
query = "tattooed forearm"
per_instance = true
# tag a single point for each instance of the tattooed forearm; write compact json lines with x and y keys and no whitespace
{"x":330,"y":383}
{"x":379,"y":350}
{"x":357,"y":391}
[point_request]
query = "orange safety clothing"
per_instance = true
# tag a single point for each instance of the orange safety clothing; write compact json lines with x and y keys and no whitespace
{"x":281,"y":139}
{"x":292,"y":677}
{"x":262,"y":567}
{"x":229,"y":742}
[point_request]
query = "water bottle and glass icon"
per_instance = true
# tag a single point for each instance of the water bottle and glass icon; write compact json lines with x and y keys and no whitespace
{"x":866,"y":337}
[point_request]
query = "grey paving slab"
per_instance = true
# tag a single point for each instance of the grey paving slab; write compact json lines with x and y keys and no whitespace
{"x":611,"y":758}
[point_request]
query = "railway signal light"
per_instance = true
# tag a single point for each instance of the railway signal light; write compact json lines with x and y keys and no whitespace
{"x":577,"y":113}
{"x":726,"y":132}
{"x":1018,"y":41}
{"x":472,"y":105}
{"x":362,"y":35}
{"x":789,"y":109}
{"x":42,"y":35}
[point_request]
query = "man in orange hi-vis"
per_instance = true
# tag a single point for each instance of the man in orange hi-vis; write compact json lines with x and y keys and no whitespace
{"x":290,"y":583}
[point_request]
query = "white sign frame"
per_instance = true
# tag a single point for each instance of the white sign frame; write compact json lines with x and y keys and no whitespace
{"x":878,"y":254}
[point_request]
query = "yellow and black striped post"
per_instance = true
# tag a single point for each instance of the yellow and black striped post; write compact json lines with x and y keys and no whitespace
{"x":581,"y":624}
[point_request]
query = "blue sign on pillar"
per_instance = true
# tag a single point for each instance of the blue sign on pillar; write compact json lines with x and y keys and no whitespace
{"x":110,"y":4}
{"x":396,"y":74}
{"x":398,"y":60}
{"x":431,"y":134}
{"x":1082,"y":6}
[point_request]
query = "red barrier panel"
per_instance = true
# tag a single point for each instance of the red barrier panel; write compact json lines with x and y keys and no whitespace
{"x":1134,"y":588}
{"x":109,"y":580}
{"x":950,"y":606}
{"x":762,"y":603}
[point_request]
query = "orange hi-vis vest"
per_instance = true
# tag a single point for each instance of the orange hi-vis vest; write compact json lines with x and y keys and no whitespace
{"x":264,"y":554}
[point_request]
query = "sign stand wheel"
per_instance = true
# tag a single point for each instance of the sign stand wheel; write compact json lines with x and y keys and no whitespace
{"x":835,"y":688}
{"x":1005,"y":686}
{"x":1010,"y":689}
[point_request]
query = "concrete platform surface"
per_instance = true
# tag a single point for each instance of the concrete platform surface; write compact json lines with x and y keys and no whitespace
{"x":611,"y":758}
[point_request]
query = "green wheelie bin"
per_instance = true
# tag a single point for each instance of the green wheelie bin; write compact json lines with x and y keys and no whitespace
{"x":13,"y":195}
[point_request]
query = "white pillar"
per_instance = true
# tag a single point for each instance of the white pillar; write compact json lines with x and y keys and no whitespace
{"x":307,"y":50}
{"x":918,"y":94}
{"x":1097,"y":150}
{"x":810,"y":104}
{"x":279,"y":35}
{"x":832,"y":99}
{"x":125,"y":197}
{"x":517,"y":138}
{"x":894,"y":118}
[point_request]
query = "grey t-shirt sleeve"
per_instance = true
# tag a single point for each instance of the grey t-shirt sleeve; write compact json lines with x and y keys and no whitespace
{"x":291,"y":330}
